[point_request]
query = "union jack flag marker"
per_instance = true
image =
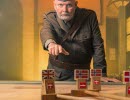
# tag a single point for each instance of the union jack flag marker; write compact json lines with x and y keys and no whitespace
{"x":81,"y":74}
{"x":95,"y":72}
{"x":48,"y":74}
{"x":95,"y":75}
{"x":48,"y":84}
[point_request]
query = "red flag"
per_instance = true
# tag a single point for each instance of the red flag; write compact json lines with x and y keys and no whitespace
{"x":95,"y":72}
{"x":50,"y":85}
{"x":48,"y":74}
{"x":81,"y":74}
{"x":126,"y":76}
{"x":96,"y":82}
{"x":82,"y":85}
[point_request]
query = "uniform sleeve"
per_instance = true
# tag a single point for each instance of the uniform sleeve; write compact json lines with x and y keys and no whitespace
{"x":48,"y":42}
{"x":46,"y":32}
{"x":98,"y":45}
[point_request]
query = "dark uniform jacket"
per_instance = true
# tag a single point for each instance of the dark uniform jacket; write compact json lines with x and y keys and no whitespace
{"x":82,"y":45}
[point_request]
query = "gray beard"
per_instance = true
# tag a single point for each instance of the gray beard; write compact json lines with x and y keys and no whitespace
{"x":65,"y":18}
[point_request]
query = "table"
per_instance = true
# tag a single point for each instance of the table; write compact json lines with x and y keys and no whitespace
{"x":21,"y":90}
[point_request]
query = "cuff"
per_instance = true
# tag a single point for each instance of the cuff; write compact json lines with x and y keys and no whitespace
{"x":48,"y":42}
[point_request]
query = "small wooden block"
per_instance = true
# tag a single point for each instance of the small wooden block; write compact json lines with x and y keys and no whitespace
{"x":126,"y":76}
{"x":81,"y":73}
{"x":95,"y":83}
{"x":127,"y":89}
{"x":48,"y":86}
{"x":49,"y":97}
{"x":81,"y":84}
{"x":81,"y":93}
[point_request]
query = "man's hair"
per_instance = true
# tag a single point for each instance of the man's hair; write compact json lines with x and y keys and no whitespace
{"x":65,"y":0}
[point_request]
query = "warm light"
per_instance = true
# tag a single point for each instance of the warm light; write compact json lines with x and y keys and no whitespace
{"x":128,"y":34}
{"x":118,"y":3}
{"x":0,"y":14}
{"x":121,"y":3}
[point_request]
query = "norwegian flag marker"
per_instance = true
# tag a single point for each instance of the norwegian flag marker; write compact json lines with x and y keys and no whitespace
{"x":128,"y":89}
{"x":48,"y":84}
{"x":95,"y":72}
{"x":48,"y":74}
{"x":126,"y":76}
{"x":81,"y":73}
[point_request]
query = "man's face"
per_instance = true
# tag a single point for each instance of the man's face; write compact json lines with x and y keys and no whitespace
{"x":65,"y":9}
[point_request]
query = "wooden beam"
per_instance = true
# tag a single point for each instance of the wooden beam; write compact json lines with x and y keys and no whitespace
{"x":81,"y":93}
{"x":66,"y":97}
{"x":107,"y":95}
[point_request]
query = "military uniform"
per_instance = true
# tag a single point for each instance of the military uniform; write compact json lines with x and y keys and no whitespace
{"x":82,"y":45}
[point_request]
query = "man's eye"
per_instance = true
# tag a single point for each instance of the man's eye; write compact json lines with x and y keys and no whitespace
{"x":69,"y":5}
{"x":60,"y":5}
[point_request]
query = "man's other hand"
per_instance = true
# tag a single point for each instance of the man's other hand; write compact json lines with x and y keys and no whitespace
{"x":56,"y":49}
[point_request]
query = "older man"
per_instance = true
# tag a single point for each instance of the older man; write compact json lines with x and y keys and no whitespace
{"x":72,"y":37}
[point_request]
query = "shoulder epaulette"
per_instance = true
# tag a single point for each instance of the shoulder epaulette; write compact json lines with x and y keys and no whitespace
{"x":50,"y":12}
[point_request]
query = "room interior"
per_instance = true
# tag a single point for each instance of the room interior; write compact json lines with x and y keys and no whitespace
{"x":22,"y":55}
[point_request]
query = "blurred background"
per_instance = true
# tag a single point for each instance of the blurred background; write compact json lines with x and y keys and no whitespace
{"x":21,"y":53}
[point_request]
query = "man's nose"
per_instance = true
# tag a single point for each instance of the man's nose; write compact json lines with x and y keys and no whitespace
{"x":65,"y":9}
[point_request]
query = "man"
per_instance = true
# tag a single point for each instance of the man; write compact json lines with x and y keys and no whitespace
{"x":72,"y":37}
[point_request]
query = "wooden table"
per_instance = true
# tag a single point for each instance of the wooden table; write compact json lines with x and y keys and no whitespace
{"x":18,"y":90}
